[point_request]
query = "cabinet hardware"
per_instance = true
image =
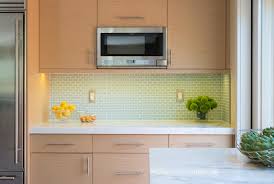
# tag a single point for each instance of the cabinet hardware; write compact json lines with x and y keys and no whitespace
{"x":61,"y":144}
{"x":199,"y":144}
{"x":126,"y":173}
{"x":169,"y":57}
{"x":129,"y":144}
{"x":130,"y":17}
{"x":88,"y":165}
{"x":7,"y":178}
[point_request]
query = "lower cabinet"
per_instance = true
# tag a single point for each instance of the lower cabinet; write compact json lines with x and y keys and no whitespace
{"x":61,"y":168}
{"x":120,"y":168}
{"x":201,"y":141}
{"x":105,"y":159}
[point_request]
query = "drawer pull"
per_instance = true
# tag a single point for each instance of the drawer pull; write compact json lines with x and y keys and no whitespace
{"x":88,"y":165}
{"x":130,"y":17}
{"x":130,"y":144}
{"x":57,"y":144}
{"x":129,"y":173}
{"x":7,"y":178}
{"x":199,"y":144}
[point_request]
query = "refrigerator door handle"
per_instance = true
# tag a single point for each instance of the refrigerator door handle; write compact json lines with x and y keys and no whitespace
{"x":7,"y":178}
{"x":16,"y":88}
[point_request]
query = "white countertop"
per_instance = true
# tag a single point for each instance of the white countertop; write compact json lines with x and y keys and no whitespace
{"x":134,"y":127}
{"x":205,"y":166}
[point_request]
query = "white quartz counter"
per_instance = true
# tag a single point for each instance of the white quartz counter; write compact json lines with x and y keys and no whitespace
{"x":205,"y":166}
{"x":134,"y":127}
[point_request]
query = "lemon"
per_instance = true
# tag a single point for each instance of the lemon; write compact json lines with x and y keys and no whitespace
{"x":63,"y":104}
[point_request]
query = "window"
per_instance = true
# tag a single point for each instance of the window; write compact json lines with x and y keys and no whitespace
{"x":263,"y":64}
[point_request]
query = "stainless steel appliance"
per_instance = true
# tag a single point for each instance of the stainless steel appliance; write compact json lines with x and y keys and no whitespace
{"x":132,"y":47}
{"x":11,"y":92}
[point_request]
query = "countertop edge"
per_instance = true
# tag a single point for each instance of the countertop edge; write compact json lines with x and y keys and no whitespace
{"x":133,"y":130}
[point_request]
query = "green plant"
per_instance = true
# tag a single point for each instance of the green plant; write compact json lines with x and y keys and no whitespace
{"x":202,"y":104}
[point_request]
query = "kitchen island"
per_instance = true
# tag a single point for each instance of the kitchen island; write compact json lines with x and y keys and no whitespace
{"x":205,"y":166}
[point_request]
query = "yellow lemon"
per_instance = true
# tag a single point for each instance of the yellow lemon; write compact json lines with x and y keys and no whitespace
{"x":58,"y":115}
{"x":63,"y":104}
{"x":71,"y":107}
{"x":66,"y":113}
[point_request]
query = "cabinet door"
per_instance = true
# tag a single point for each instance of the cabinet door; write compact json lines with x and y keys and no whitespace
{"x":121,"y":169}
{"x":68,"y":34}
{"x":57,"y":168}
{"x":196,"y":34}
{"x":132,"y":12}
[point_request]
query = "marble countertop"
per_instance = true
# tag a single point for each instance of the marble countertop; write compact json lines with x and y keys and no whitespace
{"x":205,"y":166}
{"x":134,"y":127}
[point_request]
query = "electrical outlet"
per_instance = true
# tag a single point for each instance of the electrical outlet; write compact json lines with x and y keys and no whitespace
{"x":92,"y":95}
{"x":179,"y":95}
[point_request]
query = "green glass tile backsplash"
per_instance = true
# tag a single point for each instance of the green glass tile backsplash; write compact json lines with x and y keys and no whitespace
{"x":140,"y":96}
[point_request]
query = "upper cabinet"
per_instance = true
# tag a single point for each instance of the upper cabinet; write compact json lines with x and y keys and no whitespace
{"x":197,"y":31}
{"x":132,"y":12}
{"x":197,"y":34}
{"x":67,"y":34}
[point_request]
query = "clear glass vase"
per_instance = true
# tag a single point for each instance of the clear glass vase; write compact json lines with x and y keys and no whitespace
{"x":201,"y":115}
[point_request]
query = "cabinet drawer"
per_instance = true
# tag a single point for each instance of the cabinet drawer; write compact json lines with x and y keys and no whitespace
{"x":61,"y":143}
{"x":189,"y":141}
{"x":120,"y":168}
{"x":128,"y":143}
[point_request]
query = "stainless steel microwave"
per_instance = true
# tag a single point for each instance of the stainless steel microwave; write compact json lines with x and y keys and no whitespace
{"x":132,"y":47}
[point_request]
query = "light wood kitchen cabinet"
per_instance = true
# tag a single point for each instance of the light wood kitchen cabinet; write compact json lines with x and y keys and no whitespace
{"x":201,"y":141}
{"x":197,"y":34}
{"x":121,"y":169}
{"x":60,"y":168}
{"x":67,"y":34}
{"x":132,"y":13}
{"x":61,"y":143}
{"x":128,"y":143}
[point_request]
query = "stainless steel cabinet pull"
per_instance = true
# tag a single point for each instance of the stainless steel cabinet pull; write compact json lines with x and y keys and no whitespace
{"x":199,"y":144}
{"x":61,"y":144}
{"x":126,"y":173}
{"x":129,"y":144}
{"x":88,"y":165}
{"x":169,"y":58}
{"x":130,"y":17}
{"x":7,"y":178}
{"x":95,"y":56}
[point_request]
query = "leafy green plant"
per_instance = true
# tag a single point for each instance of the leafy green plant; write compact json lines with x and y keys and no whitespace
{"x":201,"y":104}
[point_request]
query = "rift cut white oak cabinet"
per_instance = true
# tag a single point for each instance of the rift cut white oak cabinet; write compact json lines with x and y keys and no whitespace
{"x":67,"y":34}
{"x":197,"y":34}
{"x":201,"y":141}
{"x":121,"y":168}
{"x":132,"y":13}
{"x":123,"y":159}
{"x":198,"y":31}
{"x":61,"y":159}
{"x":128,"y":143}
{"x":61,"y":168}
{"x":104,"y":159}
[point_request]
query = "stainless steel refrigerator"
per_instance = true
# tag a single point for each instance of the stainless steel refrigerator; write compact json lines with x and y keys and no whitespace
{"x":12,"y":92}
